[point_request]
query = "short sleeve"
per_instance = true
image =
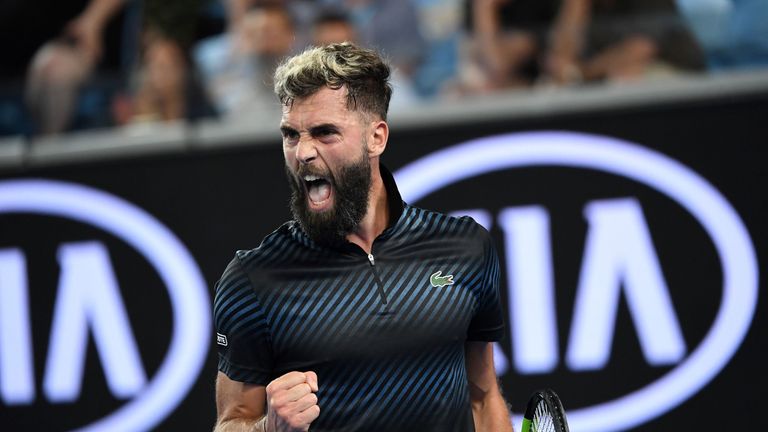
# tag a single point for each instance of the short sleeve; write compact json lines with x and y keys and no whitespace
{"x":487,"y":325}
{"x":242,"y":333}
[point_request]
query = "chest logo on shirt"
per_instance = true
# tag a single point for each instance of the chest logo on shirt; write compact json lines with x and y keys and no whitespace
{"x":221,"y":339}
{"x":439,"y":281}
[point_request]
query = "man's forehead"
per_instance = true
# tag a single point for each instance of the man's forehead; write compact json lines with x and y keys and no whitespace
{"x":324,"y":96}
{"x":325,"y":103}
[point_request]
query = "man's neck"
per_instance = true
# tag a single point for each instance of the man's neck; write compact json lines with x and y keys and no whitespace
{"x":376,"y":218}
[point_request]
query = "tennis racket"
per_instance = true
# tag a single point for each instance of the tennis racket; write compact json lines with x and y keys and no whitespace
{"x":544,"y":413}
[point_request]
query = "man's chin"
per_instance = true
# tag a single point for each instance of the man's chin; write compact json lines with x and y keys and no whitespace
{"x":318,"y":222}
{"x":323,"y":232}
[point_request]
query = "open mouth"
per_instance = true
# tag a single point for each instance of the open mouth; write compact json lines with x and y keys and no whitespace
{"x":318,"y":190}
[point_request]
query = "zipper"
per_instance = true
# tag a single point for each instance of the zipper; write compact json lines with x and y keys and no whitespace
{"x":379,"y":284}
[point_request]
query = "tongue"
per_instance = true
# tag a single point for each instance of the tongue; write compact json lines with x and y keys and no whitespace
{"x":319,"y":191}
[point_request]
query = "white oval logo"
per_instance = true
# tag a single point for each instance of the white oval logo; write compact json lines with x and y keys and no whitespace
{"x":173,"y":263}
{"x":719,"y":219}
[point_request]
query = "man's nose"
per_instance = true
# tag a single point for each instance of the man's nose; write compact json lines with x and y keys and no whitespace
{"x":306,"y":151}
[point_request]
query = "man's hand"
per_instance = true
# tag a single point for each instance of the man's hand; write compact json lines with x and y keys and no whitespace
{"x":86,"y":36}
{"x":292,"y":403}
{"x":562,"y":70}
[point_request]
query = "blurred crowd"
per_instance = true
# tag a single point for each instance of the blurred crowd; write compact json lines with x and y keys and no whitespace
{"x":81,"y":64}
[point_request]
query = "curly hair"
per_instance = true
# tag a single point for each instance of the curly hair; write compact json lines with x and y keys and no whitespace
{"x":361,"y":71}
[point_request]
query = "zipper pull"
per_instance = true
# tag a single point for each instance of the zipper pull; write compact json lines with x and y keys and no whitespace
{"x":370,"y":258}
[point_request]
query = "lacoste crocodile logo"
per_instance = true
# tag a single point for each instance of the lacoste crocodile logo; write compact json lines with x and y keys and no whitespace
{"x":439,"y":281}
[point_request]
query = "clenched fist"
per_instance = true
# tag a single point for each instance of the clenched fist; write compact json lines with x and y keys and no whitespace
{"x":292,"y":403}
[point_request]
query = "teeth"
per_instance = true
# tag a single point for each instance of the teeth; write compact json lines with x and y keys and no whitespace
{"x":310,"y":178}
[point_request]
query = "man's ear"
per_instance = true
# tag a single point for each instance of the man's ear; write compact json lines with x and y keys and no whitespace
{"x":379,"y":134}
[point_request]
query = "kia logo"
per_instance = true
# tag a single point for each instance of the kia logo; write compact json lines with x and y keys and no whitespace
{"x":636,"y":262}
{"x":89,"y":298}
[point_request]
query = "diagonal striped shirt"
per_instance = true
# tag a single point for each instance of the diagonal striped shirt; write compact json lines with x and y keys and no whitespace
{"x":384,"y":332}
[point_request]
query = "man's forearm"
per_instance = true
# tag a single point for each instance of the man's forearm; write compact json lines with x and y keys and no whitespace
{"x":491,"y":414}
{"x":99,"y":12}
{"x":568,"y":31}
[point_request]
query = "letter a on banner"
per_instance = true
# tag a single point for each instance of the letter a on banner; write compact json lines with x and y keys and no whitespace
{"x":89,"y":297}
{"x":619,"y":253}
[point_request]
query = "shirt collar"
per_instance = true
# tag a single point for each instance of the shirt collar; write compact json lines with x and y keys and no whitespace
{"x":394,"y":200}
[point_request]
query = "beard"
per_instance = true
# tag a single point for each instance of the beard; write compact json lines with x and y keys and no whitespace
{"x":351,"y":189}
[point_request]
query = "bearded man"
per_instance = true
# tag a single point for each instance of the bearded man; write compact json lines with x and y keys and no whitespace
{"x":363,"y":313}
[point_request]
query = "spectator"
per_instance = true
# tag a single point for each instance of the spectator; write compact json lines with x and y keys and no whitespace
{"x":507,"y":38}
{"x":161,"y":92}
{"x":237,"y":66}
{"x":166,"y":87}
{"x":57,"y":73}
{"x":333,"y":25}
{"x":389,"y":26}
{"x":61,"y":67}
{"x":747,"y":36}
{"x":440,"y":23}
{"x":619,"y":40}
{"x":733,"y":33}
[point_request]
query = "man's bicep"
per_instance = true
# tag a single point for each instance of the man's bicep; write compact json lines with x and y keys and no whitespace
{"x":238,"y":400}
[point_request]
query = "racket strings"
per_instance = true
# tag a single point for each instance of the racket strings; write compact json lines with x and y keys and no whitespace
{"x":543,"y":420}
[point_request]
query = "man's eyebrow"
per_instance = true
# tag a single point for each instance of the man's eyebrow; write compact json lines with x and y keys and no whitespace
{"x":287,"y":130}
{"x":323,"y":128}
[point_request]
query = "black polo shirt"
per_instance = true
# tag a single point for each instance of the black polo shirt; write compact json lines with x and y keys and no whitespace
{"x":384,"y":332}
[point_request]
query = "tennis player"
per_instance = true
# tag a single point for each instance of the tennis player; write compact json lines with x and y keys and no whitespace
{"x":363,"y":313}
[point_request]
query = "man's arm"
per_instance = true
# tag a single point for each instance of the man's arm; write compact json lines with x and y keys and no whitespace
{"x":87,"y":28}
{"x":489,"y":409}
{"x":243,"y":407}
{"x":488,"y":34}
{"x":567,"y":41}
{"x":239,"y":406}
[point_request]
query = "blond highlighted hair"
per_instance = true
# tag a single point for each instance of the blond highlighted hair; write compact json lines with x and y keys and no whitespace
{"x":361,"y":71}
